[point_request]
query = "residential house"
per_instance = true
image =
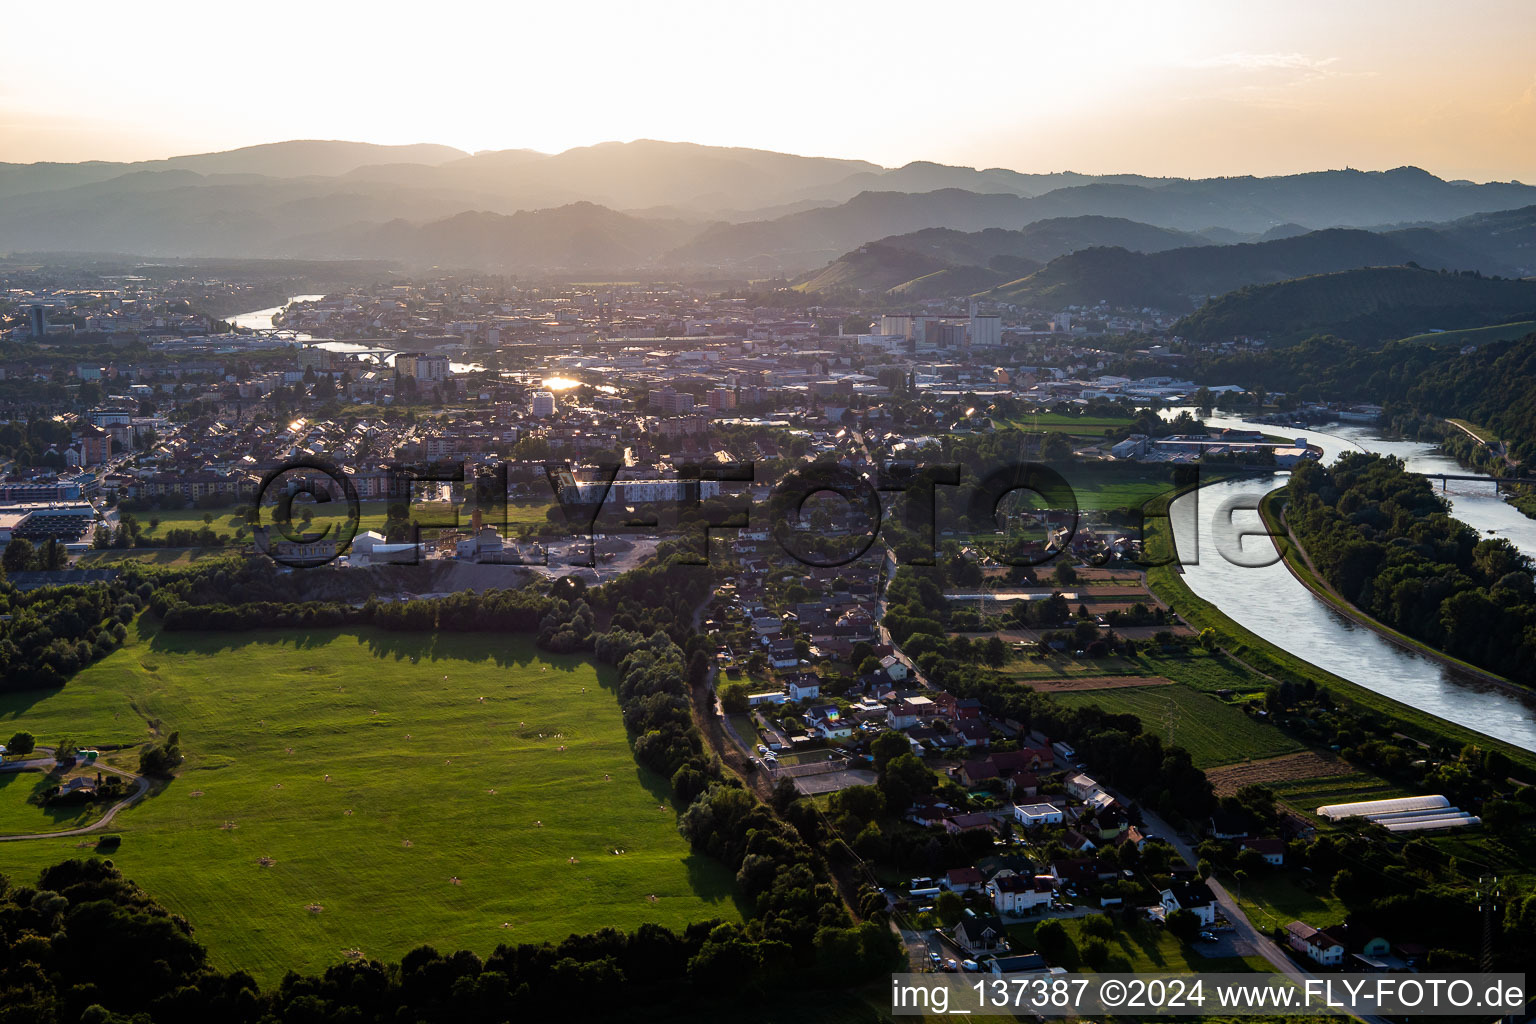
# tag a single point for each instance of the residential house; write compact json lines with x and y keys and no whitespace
{"x":1321,"y":947}
{"x":894,"y":667}
{"x":972,"y":821}
{"x":826,"y":721}
{"x":909,"y":711}
{"x":982,"y":934}
{"x":1028,"y":963}
{"x":1230,"y":826}
{"x":1015,"y":894}
{"x":1194,"y":897}
{"x":1271,"y":849}
{"x":781,"y":654}
{"x":972,"y":732}
{"x":1077,"y":842}
{"x":964,"y":879}
{"x":804,"y":686}
{"x":1030,"y":815}
{"x":1081,"y":786}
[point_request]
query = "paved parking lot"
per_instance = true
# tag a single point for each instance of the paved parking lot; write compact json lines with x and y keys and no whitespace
{"x":1226,"y":944}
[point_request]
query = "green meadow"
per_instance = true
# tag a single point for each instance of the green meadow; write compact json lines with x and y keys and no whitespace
{"x":372,"y":792}
{"x":155,"y":523}
{"x":1213,"y":731}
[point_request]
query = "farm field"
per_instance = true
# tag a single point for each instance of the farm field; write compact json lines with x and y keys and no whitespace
{"x":377,"y":791}
{"x":1307,"y":795}
{"x":1084,"y":684}
{"x":1207,"y":672}
{"x":1304,"y":766}
{"x":1213,"y":732}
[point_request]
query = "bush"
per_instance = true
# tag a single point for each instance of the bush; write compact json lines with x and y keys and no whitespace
{"x":1098,"y":926}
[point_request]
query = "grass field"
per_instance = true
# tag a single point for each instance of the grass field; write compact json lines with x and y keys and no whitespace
{"x":1058,"y":423}
{"x":1273,"y":899}
{"x":225,"y":521}
{"x":17,"y":815}
{"x":374,"y":770}
{"x":1213,"y":732}
{"x":1141,"y":947}
{"x":151,"y":556}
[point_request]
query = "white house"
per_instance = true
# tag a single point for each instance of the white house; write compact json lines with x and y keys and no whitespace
{"x":1017,"y":894}
{"x":1323,"y":948}
{"x":826,"y":721}
{"x":894,"y":667}
{"x":1081,"y":787}
{"x":1030,"y":815}
{"x":1194,"y":897}
{"x":804,"y":686}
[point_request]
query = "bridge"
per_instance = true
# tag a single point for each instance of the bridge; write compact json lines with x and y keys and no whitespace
{"x":275,"y":333}
{"x":291,"y":335}
{"x":1444,"y":478}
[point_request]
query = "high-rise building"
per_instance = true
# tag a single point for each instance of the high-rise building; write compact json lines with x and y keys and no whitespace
{"x":37,"y":322}
{"x":421,"y":366}
{"x":986,"y":330}
{"x":95,"y":445}
{"x":543,"y":404}
{"x":722,"y":399}
{"x":670,"y":400}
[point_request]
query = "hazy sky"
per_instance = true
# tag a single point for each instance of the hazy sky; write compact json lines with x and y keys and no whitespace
{"x":1255,"y":86}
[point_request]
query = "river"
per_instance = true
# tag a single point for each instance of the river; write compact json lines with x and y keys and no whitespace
{"x":1271,"y":602}
{"x":261,"y":320}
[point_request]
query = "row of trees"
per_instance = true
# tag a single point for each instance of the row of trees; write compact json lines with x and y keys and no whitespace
{"x":49,"y":634}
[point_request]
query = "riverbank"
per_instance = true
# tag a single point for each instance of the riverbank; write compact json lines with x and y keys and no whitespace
{"x":1167,"y":583}
{"x":1295,"y":558}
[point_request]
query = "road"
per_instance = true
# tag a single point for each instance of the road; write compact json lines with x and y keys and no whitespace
{"x":43,"y":764}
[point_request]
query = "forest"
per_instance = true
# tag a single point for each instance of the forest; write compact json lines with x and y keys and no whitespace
{"x":1384,"y":540}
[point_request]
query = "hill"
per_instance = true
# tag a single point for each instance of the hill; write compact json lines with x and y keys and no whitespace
{"x":977,"y":260}
{"x":1180,"y":279}
{"x":750,"y":211}
{"x":1494,"y":386}
{"x":581,"y":236}
{"x":299,"y":158}
{"x":1366,"y":305}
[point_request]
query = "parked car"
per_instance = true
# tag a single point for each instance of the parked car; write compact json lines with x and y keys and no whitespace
{"x":762,"y":749}
{"x":970,"y":966}
{"x":1207,"y":937}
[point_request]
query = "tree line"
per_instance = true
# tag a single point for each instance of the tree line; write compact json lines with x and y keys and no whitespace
{"x":1386,"y":542}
